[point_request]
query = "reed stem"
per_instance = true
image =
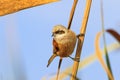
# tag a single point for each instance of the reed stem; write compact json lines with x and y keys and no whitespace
{"x":72,"y":13}
{"x":81,"y":39}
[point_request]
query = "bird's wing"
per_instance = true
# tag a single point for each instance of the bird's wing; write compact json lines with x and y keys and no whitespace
{"x":55,"y":47}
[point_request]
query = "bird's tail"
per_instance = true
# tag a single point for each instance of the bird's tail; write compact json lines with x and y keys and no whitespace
{"x":60,"y":61}
{"x":51,"y":59}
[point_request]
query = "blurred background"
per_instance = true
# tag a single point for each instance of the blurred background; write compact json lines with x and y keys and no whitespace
{"x":26,"y":42}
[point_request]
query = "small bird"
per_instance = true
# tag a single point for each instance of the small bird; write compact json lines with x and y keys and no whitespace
{"x":64,"y":41}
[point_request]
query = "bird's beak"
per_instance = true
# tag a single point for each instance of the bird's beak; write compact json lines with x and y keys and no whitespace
{"x":52,"y":34}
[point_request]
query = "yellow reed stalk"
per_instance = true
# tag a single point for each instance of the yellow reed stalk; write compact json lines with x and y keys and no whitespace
{"x":72,"y":13}
{"x":81,"y":39}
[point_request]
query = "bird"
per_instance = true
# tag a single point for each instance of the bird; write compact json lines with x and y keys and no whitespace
{"x":64,"y":41}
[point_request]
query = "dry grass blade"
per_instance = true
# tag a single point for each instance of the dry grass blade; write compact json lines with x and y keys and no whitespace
{"x":72,"y":13}
{"x":104,"y":40}
{"x":11,"y":6}
{"x":114,"y":34}
{"x":81,"y":39}
{"x":99,"y":55}
{"x":84,"y":63}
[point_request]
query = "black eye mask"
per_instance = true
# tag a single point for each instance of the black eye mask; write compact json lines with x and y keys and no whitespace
{"x":59,"y":32}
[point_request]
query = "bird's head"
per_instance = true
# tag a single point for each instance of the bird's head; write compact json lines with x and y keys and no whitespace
{"x":59,"y":30}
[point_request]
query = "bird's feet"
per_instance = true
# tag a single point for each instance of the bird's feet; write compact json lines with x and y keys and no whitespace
{"x":75,"y":59}
{"x":79,"y":35}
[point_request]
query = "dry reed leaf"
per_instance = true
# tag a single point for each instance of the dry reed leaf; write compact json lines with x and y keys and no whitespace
{"x":114,"y":34}
{"x":11,"y":6}
{"x":84,"y":63}
{"x":99,"y":55}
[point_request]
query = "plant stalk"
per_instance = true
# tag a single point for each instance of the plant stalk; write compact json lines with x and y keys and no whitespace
{"x":81,"y":39}
{"x":72,"y":13}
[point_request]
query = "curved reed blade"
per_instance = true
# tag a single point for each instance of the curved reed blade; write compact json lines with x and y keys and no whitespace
{"x":99,"y":55}
{"x":115,"y":34}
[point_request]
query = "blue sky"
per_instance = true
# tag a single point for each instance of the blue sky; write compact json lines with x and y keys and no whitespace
{"x":25,"y":39}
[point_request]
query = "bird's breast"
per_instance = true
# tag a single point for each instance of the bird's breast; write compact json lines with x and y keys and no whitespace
{"x":66,"y":46}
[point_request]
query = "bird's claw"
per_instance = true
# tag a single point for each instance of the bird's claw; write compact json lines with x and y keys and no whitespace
{"x":75,"y":59}
{"x":79,"y":35}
